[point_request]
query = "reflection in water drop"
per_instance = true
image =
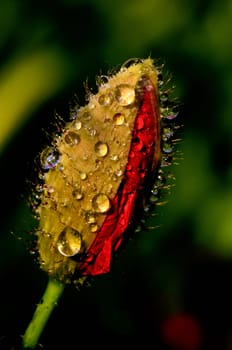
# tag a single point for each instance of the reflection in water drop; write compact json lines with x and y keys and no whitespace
{"x":125,"y":94}
{"x":101,"y":203}
{"x":69,"y":242}
{"x":49,"y":158}
{"x":71,"y":138}
{"x":101,"y":149}
{"x":118,"y":119}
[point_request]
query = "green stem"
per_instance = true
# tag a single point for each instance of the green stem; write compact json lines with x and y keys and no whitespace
{"x":44,"y":309}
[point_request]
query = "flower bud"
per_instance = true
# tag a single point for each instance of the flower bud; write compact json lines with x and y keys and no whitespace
{"x":99,"y":172}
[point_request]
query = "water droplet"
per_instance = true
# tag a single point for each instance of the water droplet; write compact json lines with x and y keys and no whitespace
{"x":138,"y":144}
{"x":139,"y":124}
{"x":166,"y":161}
{"x":77,"y":125}
{"x":114,"y":157}
{"x":69,"y":242}
{"x":93,"y":227}
{"x":153,"y":199}
{"x":125,"y":94}
{"x":77,"y":194}
{"x":119,"y":173}
{"x":167,"y":148}
{"x":49,"y":158}
{"x":101,"y":149}
{"x":118,"y":119}
{"x":131,"y":61}
{"x":167,"y":134}
{"x":105,"y":99}
{"x":169,"y":113}
{"x":171,"y":116}
{"x":83,"y":175}
{"x":48,"y":189}
{"x":71,"y":138}
{"x":90,"y":218}
{"x":163,"y":97}
{"x":91,"y":131}
{"x":86,"y":116}
{"x":101,"y":203}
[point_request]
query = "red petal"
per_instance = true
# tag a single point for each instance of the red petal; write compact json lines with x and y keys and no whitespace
{"x":142,"y":160}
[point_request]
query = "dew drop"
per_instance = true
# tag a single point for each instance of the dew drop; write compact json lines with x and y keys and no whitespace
{"x":138,"y":144}
{"x":101,"y":203}
{"x":139,"y":124}
{"x":49,"y":158}
{"x":119,"y":173}
{"x":167,"y":134}
{"x":125,"y":94}
{"x":105,"y":99}
{"x":114,"y":157}
{"x":77,"y":194}
{"x":69,"y":242}
{"x":92,"y":132}
{"x":77,"y":125}
{"x":90,"y":218}
{"x":83,"y":175}
{"x":101,"y":149}
{"x":93,"y":227}
{"x":153,"y":199}
{"x":169,"y":114}
{"x":131,"y":61}
{"x":72,"y":138}
{"x":86,"y":116}
{"x":118,"y":119}
{"x":167,"y":148}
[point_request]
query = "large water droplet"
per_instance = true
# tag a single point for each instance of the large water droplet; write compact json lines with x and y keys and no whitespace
{"x":101,"y":203}
{"x":125,"y":94}
{"x":101,"y":149}
{"x":49,"y":158}
{"x":105,"y":99}
{"x":69,"y":242}
{"x":118,"y":119}
{"x":71,"y":138}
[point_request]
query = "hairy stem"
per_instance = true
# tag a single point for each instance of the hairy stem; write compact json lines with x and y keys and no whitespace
{"x":42,"y":313}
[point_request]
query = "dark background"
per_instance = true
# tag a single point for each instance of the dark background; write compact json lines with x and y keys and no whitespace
{"x":184,"y":267}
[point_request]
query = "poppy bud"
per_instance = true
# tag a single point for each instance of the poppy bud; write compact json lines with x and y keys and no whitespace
{"x":98,"y":174}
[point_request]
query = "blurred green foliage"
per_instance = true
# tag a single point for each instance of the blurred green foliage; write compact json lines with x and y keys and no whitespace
{"x":48,"y":49}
